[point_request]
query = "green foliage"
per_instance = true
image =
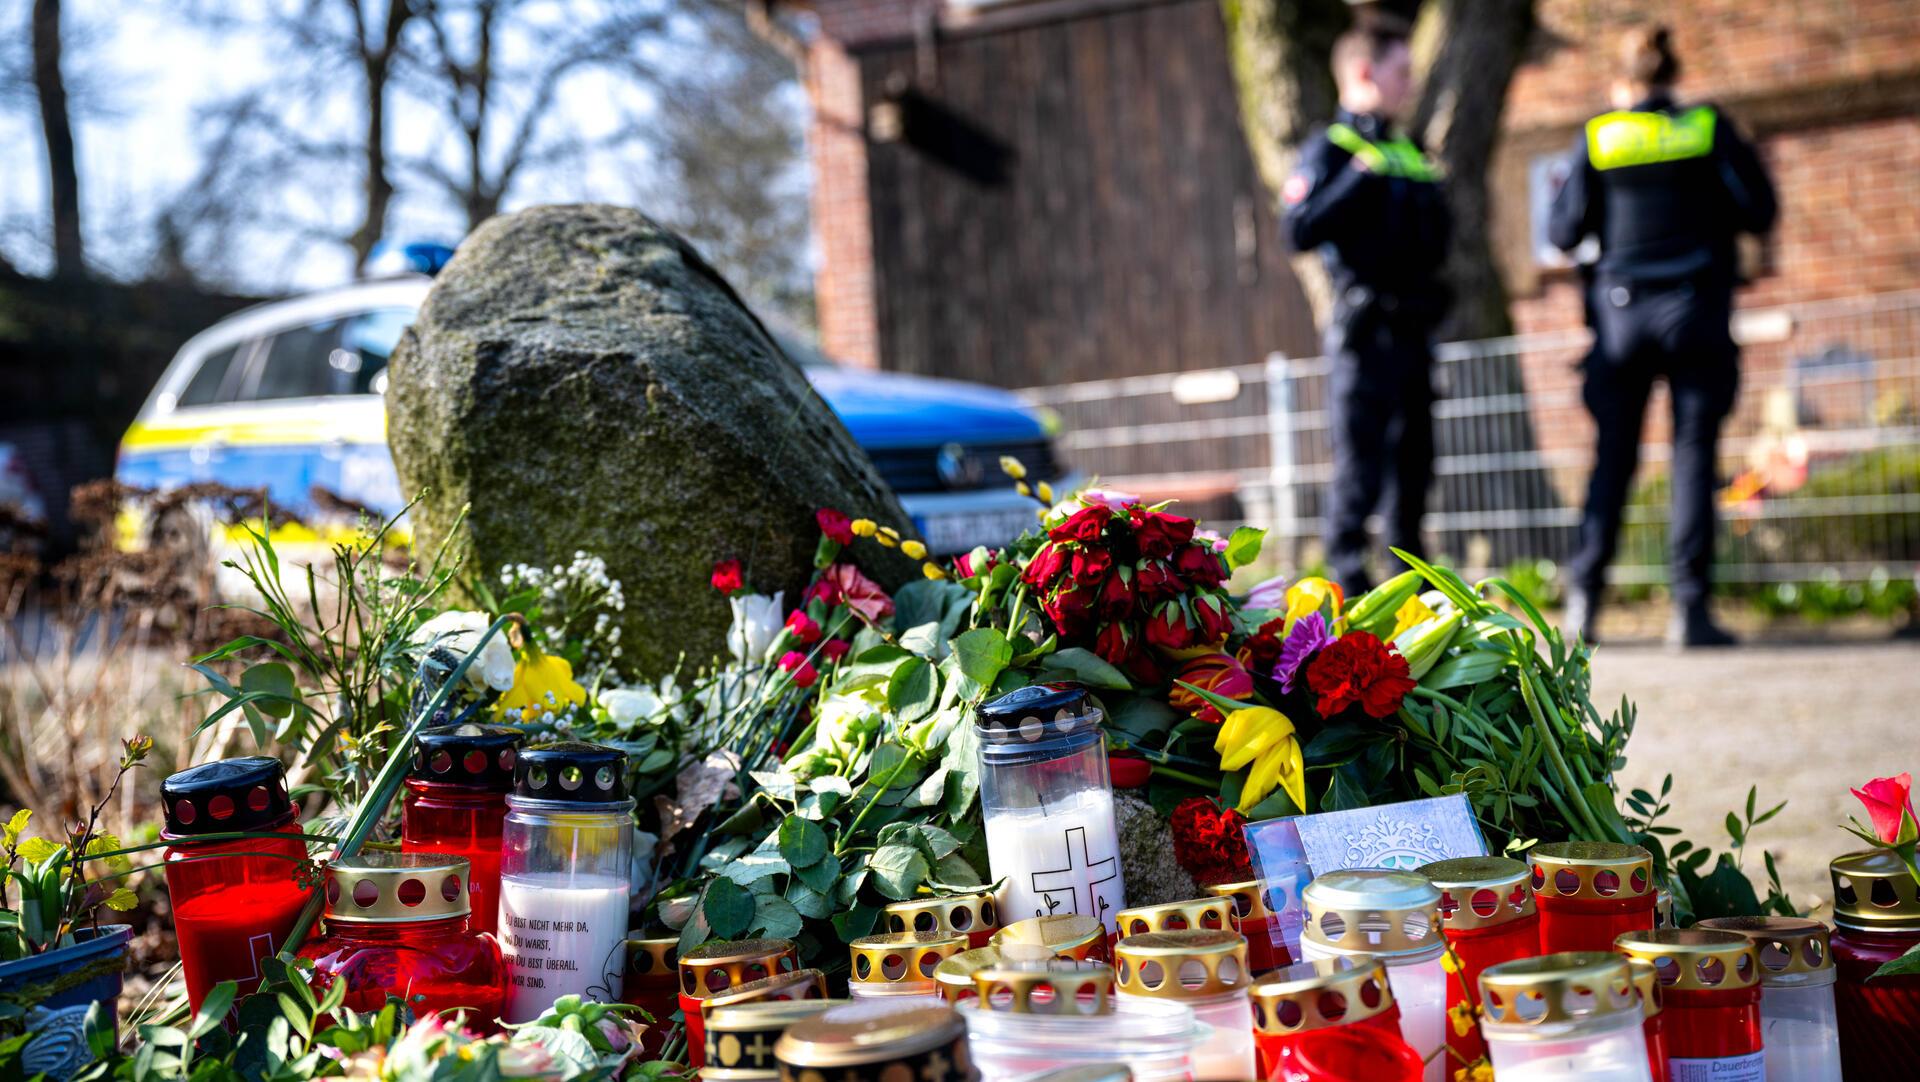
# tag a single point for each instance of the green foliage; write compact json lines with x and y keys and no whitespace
{"x":1706,"y":885}
{"x":55,"y":893}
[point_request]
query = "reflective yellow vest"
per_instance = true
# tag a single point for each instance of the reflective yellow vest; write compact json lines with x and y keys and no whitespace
{"x":1396,"y":157}
{"x":1617,"y":140}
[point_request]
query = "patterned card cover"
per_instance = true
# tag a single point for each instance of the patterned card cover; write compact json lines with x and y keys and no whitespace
{"x":1404,"y":836}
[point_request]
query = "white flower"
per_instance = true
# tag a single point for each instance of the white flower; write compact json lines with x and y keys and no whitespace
{"x":457,"y":631}
{"x":757,"y":618}
{"x":627,"y":707}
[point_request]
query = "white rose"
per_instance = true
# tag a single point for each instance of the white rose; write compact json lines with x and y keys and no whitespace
{"x":457,"y":631}
{"x":757,"y":619}
{"x":627,"y":707}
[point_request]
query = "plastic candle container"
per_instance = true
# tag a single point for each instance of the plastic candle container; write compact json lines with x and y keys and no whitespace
{"x":1307,"y":1015}
{"x":1032,"y":1017}
{"x":976,"y":916}
{"x":1202,"y":914}
{"x":1876,"y":913}
{"x":1710,"y":984}
{"x":1646,"y":981}
{"x":1564,"y":1018}
{"x":1070,"y":938}
{"x":1798,"y":1026}
{"x":795,"y":986}
{"x":567,"y":845}
{"x":233,"y":901}
{"x":398,"y":924}
{"x":652,"y":983}
{"x":1206,"y":971}
{"x":1395,"y":917}
{"x":1488,"y":916}
{"x":716,"y":968}
{"x":900,"y":965}
{"x":741,"y":1037}
{"x":1048,"y":805}
{"x":1271,"y":936}
{"x":852,"y":1043}
{"x":456,"y":802}
{"x":1591,"y":893}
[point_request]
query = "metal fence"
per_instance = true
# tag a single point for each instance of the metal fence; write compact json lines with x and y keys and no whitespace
{"x":1820,"y":461}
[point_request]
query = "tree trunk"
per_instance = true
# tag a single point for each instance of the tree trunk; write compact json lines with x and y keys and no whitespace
{"x":376,"y":59}
{"x":63,"y":177}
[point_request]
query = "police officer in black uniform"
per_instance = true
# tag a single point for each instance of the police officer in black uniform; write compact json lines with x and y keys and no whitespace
{"x":1666,"y":189}
{"x":1371,"y":201}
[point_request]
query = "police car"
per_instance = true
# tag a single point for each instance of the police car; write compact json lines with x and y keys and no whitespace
{"x":287,"y":396}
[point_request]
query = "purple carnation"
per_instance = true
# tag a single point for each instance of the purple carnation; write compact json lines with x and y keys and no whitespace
{"x":1309,"y":634}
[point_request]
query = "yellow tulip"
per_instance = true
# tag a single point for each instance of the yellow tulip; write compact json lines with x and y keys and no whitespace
{"x":1309,"y":595}
{"x":1239,"y":724}
{"x":541,"y":683}
{"x":1412,"y":614}
{"x":1266,"y":738}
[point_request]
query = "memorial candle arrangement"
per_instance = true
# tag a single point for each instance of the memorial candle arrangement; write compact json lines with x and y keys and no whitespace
{"x":1070,"y":938}
{"x":1591,"y":893}
{"x":1564,"y":1018}
{"x":1048,"y":805}
{"x":1710,"y":982}
{"x":849,"y":1044}
{"x":1198,"y":914}
{"x":1207,"y":972}
{"x":233,"y":901}
{"x":792,"y":986}
{"x":567,"y":847}
{"x":1272,"y":931}
{"x":1394,"y":917}
{"x":718,"y":967}
{"x":652,"y":983}
{"x":1488,"y":916}
{"x":1876,"y":913}
{"x":741,"y":1037}
{"x":456,"y":803}
{"x":1027,"y":1018}
{"x":900,"y":965}
{"x":1798,"y":1025}
{"x":1330,"y":1020}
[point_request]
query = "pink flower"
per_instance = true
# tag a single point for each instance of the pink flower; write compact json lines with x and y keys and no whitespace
{"x":858,"y":592}
{"x":963,"y":564}
{"x":1271,"y":594}
{"x":835,"y":649}
{"x":803,"y":627}
{"x":1212,"y":540}
{"x":795,"y":663}
{"x":727,"y":577}
{"x":1889,"y":804}
{"x":835,"y":525}
{"x":1111,"y":499}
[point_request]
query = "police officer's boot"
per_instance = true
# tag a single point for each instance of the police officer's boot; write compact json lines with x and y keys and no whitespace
{"x":1581,"y":616}
{"x":1692,"y":626}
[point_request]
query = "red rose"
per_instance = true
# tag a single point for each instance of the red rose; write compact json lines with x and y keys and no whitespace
{"x":1261,"y":652}
{"x":1071,"y":610}
{"x":1091,"y":564}
{"x":1217,"y":673}
{"x":835,"y":649}
{"x":803,"y":628}
{"x":1116,"y":597}
{"x":1112,"y":644}
{"x":1085,"y":525}
{"x":1170,"y":630}
{"x":796,"y":664}
{"x":1129,"y":771}
{"x":1155,"y":581}
{"x":1144,"y":666}
{"x":727,"y":578}
{"x":963,"y":564}
{"x":835,"y":525}
{"x":1200,"y":566}
{"x":1045,"y":566}
{"x":1889,"y":803}
{"x":1359,"y":668}
{"x":1214,"y":617}
{"x":1160,"y":533}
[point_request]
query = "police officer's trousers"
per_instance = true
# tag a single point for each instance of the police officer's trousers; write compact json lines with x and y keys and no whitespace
{"x":1643,"y":332}
{"x":1381,"y":397}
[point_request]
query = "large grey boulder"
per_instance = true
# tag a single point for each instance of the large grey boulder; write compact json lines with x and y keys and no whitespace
{"x":582,"y":380}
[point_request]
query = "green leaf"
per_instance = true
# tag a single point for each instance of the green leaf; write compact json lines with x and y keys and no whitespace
{"x":15,"y":827}
{"x":728,"y":908}
{"x":924,"y":640}
{"x":913,"y":690}
{"x":982,"y":653}
{"x":1142,"y":717}
{"x":1086,"y":667}
{"x":940,"y":842}
{"x":898,"y":870}
{"x":1901,"y":966}
{"x":273,"y":679}
{"x":855,"y":922}
{"x":122,"y":900}
{"x":802,"y":842}
{"x":213,"y":1010}
{"x":753,"y":867}
{"x":821,"y":876}
{"x":809,"y":902}
{"x":1243,"y":546}
{"x":776,"y":918}
{"x":38,"y":850}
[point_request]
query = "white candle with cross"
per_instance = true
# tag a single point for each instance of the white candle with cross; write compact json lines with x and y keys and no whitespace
{"x":1063,"y":858}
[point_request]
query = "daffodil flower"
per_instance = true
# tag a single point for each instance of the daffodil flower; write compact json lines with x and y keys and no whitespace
{"x":541,"y":682}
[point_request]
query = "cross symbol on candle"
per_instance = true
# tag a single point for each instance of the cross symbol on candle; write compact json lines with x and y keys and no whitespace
{"x":936,"y":1067}
{"x":1448,"y":905}
{"x":1065,"y":880}
{"x":759,"y":1049}
{"x":259,"y":948}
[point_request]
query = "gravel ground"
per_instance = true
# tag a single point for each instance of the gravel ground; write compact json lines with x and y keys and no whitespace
{"x":1803,"y":722}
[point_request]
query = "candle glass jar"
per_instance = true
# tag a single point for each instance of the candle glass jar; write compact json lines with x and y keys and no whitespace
{"x":456,"y":803}
{"x":1297,"y":1007}
{"x":233,"y":901}
{"x":1876,"y":916}
{"x":897,"y":965}
{"x":1564,"y":1018}
{"x":851,"y":1044}
{"x":1395,"y":917}
{"x":796,"y":986}
{"x":1070,"y":937}
{"x":397,"y":924}
{"x":741,"y":1037}
{"x":1029,"y":1018}
{"x":1646,"y":981}
{"x":1268,"y":915}
{"x":1589,"y":894}
{"x":1798,"y":1025}
{"x":975,"y":916}
{"x":567,"y":847}
{"x":652,"y":982}
{"x":1710,"y":987}
{"x":1207,"y":971}
{"x":1048,"y":804}
{"x":1487,"y":914}
{"x":716,"y":968}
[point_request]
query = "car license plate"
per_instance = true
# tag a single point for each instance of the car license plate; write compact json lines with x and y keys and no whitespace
{"x":949,"y":534}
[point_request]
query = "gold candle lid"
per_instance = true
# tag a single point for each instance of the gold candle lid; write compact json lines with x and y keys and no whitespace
{"x":1067,"y":935}
{"x":1694,"y":959}
{"x":1792,"y":950}
{"x":1249,"y":900}
{"x":1373,"y":911}
{"x":1321,"y":995}
{"x":902,"y":958}
{"x":1207,"y":914}
{"x":954,"y":975}
{"x":740,"y":1038}
{"x":712,"y":968}
{"x":962,"y":914}
{"x":1591,"y":870}
{"x":380,"y":887}
{"x":1646,"y":982}
{"x":1055,"y":986}
{"x":1874,"y":892}
{"x":1481,"y":892}
{"x":1181,"y":965}
{"x":653,"y":959}
{"x":799,"y":985}
{"x":928,"y":1043}
{"x":1557,"y":988}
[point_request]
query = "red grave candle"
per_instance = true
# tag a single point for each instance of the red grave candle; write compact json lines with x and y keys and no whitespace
{"x":653,"y":985}
{"x":1876,"y":913}
{"x":1487,"y":913}
{"x":1258,"y":921}
{"x":1591,"y":893}
{"x":1298,"y":1009}
{"x":234,"y":901}
{"x":397,"y":923}
{"x":1646,"y":983}
{"x":719,"y":967}
{"x":1710,"y":991}
{"x":455,"y":803}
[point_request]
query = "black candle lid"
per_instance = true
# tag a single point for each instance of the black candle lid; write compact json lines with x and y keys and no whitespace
{"x":476,"y":756}
{"x":248,"y":793}
{"x":572,"y":771}
{"x":1036,"y":712}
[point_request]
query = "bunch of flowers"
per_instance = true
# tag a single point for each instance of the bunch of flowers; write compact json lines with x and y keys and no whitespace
{"x":1209,"y":841}
{"x":1136,"y":584}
